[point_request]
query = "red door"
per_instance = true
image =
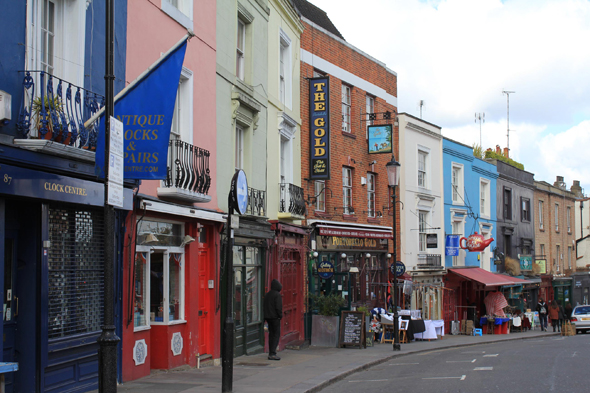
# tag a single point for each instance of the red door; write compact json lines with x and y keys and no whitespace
{"x":290,"y":266}
{"x":204,"y":303}
{"x":449,"y":303}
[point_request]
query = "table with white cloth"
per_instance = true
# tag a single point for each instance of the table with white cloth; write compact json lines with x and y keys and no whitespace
{"x":434,"y":328}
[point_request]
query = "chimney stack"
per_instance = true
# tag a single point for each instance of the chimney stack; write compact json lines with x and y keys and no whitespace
{"x":577,"y":189}
{"x":559,"y":183}
{"x":498,"y":151}
{"x":506,"y":153}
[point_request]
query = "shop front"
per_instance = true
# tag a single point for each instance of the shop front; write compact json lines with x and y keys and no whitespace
{"x":562,"y":290}
{"x":581,"y":288}
{"x":170,"y":280}
{"x":52,"y":250}
{"x":361,"y":265}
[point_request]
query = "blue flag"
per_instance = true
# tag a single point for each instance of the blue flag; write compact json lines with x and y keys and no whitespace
{"x":452,"y":245}
{"x":146,"y":110}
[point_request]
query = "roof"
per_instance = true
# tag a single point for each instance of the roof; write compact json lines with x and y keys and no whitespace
{"x":317,"y":16}
{"x":483,"y":276}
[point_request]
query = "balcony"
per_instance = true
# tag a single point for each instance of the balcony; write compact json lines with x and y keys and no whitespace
{"x":429,"y":261}
{"x":292,"y":203}
{"x":256,"y":202}
{"x":52,"y":116}
{"x":187,"y":177}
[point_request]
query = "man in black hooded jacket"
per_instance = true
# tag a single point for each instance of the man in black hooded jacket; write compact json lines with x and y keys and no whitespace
{"x":273,"y":312}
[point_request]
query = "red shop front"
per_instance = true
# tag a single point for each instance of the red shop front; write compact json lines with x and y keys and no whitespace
{"x":170,"y":294}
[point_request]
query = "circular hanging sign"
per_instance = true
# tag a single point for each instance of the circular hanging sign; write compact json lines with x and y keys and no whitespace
{"x":325,"y":269}
{"x":399,"y":268}
{"x":239,"y":192}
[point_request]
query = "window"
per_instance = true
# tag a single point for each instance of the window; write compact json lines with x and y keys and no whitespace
{"x":422,"y":224}
{"x":346,"y":102}
{"x":241,"y":45}
{"x":458,"y":227}
{"x":422,"y":162}
{"x":285,"y":79}
{"x":182,"y":118}
{"x":556,"y":217}
{"x":557,"y":257}
{"x":180,"y":10}
{"x":320,"y":202}
{"x":525,"y":209}
{"x":239,"y":148}
{"x":540,"y":214}
{"x":248,"y":281}
{"x":484,"y":198}
{"x":370,"y":108}
{"x":48,"y":25}
{"x":371,"y":194}
{"x":542,"y":250}
{"x":286,"y":166}
{"x":569,"y":220}
{"x":457,"y":184}
{"x":569,"y":257}
{"x":507,"y":203}
{"x":347,"y":190}
{"x":141,"y":290}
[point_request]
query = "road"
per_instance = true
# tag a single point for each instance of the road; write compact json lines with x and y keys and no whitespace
{"x":551,"y":364}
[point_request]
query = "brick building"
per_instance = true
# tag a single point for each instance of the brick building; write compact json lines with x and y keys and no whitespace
{"x":349,"y":208}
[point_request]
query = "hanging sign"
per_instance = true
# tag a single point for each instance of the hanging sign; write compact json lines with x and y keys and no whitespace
{"x":542,"y":263}
{"x":452,"y":245}
{"x":239,"y":192}
{"x":399,"y":269}
{"x":526,"y":263}
{"x":325,"y":269}
{"x":319,"y":114}
{"x":431,"y":240}
{"x":380,"y":139}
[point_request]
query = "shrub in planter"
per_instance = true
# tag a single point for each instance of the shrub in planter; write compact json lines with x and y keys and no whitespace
{"x":325,"y":326}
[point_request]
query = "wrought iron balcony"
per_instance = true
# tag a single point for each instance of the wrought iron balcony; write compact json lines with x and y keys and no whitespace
{"x":52,"y":116}
{"x":188,"y":177}
{"x":256,"y":202}
{"x":429,"y":261}
{"x":292,"y":202}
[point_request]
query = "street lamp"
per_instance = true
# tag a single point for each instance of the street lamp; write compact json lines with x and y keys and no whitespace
{"x":393,"y":173}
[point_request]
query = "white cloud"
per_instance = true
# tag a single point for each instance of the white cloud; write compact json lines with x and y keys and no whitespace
{"x":458,"y":56}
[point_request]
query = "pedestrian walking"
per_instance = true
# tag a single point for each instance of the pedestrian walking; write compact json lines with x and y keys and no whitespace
{"x":273,"y":312}
{"x":561,"y":316}
{"x":542,"y":310}
{"x":554,"y":314}
{"x":568,"y":311}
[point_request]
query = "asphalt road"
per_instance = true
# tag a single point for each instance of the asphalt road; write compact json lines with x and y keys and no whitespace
{"x":552,"y":364}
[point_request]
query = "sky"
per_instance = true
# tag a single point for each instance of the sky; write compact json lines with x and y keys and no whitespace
{"x":458,"y":56}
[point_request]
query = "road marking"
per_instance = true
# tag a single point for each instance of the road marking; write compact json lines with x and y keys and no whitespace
{"x":559,"y":339}
{"x":490,"y":355}
{"x":401,"y":364}
{"x":461,"y":361}
{"x":371,"y":380}
{"x":474,"y":352}
{"x":483,"y":369}
{"x":575,"y":353}
{"x":462,"y":377}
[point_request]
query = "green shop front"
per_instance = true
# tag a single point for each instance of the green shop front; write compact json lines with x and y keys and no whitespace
{"x":562,"y":290}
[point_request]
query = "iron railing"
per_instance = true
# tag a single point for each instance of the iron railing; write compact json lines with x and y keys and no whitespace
{"x":55,"y":109}
{"x":291,"y":199}
{"x":429,"y":260}
{"x":256,"y":202}
{"x":188,"y":167}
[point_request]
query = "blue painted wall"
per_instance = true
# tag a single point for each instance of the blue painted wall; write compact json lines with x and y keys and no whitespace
{"x":473,"y":170}
{"x":13,"y":20}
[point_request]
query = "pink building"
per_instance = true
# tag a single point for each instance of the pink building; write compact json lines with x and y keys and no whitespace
{"x":171,"y":267}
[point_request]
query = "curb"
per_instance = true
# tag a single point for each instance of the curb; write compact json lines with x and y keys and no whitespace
{"x":377,"y":362}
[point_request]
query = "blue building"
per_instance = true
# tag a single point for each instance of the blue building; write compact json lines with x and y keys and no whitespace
{"x":52,"y":62}
{"x":470,"y":202}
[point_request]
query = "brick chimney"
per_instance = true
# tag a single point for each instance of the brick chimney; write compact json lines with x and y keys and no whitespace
{"x":559,"y":182}
{"x":506,"y":153}
{"x":498,"y":151}
{"x":577,"y":189}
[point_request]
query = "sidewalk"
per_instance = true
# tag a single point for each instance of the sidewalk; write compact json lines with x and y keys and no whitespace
{"x":307,"y":370}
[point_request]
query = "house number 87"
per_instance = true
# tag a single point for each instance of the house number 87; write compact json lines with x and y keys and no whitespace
{"x":7,"y":179}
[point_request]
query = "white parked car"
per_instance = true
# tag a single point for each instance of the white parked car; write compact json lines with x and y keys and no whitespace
{"x":581,"y":318}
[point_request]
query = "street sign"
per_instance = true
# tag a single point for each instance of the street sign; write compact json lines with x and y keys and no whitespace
{"x":239,"y":192}
{"x":115,"y":184}
{"x":399,"y":269}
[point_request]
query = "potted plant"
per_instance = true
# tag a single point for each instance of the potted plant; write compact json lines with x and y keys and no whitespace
{"x":368,"y":330}
{"x":50,"y":105}
{"x":325,"y":325}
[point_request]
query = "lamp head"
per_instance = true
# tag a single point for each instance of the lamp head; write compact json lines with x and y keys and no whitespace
{"x":343,"y":255}
{"x":393,"y":172}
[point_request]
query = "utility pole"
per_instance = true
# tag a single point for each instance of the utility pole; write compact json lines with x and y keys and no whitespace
{"x":508,"y":117}
{"x":481,"y":117}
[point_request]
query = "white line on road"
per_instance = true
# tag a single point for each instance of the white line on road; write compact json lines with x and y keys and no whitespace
{"x":401,"y":364}
{"x":462,"y":377}
{"x":483,"y":369}
{"x":490,"y":355}
{"x":474,"y":352}
{"x":575,"y":353}
{"x":461,"y":361}
{"x":371,"y":380}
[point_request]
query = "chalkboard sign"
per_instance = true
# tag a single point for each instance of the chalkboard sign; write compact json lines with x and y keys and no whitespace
{"x":352,"y":329}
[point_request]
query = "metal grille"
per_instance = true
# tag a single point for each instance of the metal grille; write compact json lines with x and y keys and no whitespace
{"x":75,"y":270}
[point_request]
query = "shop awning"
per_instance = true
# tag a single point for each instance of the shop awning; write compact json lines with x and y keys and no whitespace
{"x":482,"y":276}
{"x":515,"y":280}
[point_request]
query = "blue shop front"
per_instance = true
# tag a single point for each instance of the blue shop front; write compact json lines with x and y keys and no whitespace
{"x":52,"y":260}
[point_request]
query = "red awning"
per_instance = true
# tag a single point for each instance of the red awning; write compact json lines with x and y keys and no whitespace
{"x":514,"y":280}
{"x":483,"y":276}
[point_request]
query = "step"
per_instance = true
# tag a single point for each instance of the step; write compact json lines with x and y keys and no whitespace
{"x":205,"y":360}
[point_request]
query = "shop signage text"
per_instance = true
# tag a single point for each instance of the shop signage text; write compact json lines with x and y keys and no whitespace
{"x":319,"y":113}
{"x":452,"y":245}
{"x":431,"y":240}
{"x":325,"y":269}
{"x":350,"y":243}
{"x":526,"y":263}
{"x":354,"y":233}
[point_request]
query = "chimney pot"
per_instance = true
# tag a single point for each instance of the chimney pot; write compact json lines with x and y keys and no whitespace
{"x":506,"y":153}
{"x":498,"y":151}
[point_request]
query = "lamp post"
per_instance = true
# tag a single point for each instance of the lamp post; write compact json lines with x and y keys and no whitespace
{"x":393,"y":174}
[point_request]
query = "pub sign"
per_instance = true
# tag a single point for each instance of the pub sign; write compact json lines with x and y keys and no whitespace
{"x":319,"y":113}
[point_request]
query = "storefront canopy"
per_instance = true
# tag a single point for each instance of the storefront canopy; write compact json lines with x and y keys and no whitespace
{"x":515,"y":280}
{"x":483,"y":276}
